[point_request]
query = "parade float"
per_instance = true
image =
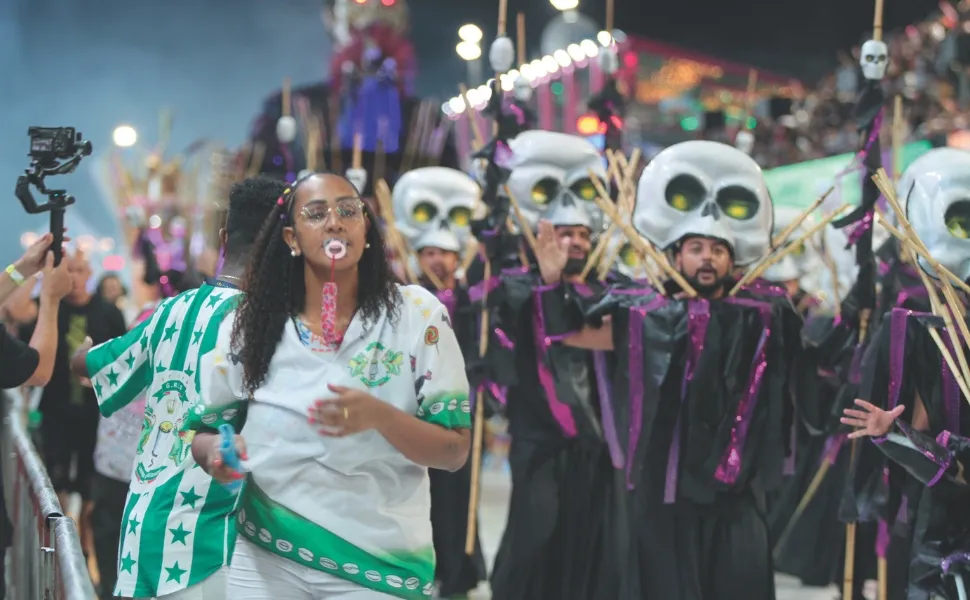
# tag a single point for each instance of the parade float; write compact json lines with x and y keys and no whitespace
{"x":169,"y":208}
{"x":365,"y":120}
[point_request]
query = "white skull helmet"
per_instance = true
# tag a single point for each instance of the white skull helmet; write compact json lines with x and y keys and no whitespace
{"x":799,"y":261}
{"x":936,"y":192}
{"x":820,"y":280}
{"x":707,"y":189}
{"x":547,"y":167}
{"x":424,"y":198}
{"x":874,"y":59}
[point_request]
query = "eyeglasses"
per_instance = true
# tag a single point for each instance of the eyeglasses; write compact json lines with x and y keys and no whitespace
{"x":347,"y":210}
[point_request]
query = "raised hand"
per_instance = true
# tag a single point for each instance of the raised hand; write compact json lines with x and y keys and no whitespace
{"x":872,"y":421}
{"x":550,"y":253}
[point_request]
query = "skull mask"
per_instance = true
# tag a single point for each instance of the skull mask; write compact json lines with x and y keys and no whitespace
{"x":937,"y":192}
{"x":874,"y":58}
{"x":707,"y":189}
{"x":799,"y":261}
{"x":428,"y":197}
{"x":547,"y":168}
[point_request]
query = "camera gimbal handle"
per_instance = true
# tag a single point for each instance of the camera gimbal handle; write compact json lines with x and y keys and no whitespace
{"x":57,"y":200}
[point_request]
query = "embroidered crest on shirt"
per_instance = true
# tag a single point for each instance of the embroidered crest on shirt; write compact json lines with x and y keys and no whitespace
{"x":163,"y":442}
{"x":375,"y":365}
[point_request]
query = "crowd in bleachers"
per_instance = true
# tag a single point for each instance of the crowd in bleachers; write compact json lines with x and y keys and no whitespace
{"x":929,"y":66}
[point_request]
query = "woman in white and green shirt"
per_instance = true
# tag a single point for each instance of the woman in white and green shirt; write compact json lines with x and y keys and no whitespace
{"x":341,"y":409}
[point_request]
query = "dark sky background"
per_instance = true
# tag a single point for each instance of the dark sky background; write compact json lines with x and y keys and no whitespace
{"x":95,"y":64}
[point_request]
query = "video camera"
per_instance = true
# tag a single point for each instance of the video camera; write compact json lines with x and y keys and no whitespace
{"x":48,"y":147}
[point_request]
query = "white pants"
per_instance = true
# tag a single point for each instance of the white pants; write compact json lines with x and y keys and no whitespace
{"x":256,"y":574}
{"x":213,"y":588}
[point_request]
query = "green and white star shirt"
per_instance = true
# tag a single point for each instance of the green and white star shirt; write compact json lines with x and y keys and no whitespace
{"x":176,"y":529}
{"x":353,"y":507}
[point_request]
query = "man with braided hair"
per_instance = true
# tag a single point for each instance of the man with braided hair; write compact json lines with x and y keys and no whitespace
{"x":176,"y":535}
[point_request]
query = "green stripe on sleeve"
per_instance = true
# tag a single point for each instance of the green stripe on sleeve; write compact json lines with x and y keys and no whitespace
{"x":109,"y":352}
{"x":448,"y":410}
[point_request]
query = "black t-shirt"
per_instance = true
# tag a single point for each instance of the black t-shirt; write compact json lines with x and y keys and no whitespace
{"x":18,"y":361}
{"x":99,"y":320}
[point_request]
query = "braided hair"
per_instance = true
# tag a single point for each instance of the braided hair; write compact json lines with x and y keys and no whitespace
{"x":276,"y":290}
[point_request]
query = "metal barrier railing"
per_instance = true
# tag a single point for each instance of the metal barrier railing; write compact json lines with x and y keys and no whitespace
{"x":46,"y":561}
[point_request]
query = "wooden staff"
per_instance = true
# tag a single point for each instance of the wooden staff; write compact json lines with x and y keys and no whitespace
{"x":520,"y":34}
{"x":634,"y":236}
{"x":336,"y":152}
{"x":782,"y":237}
{"x":382,"y":192}
{"x":877,"y":22}
{"x":829,"y":261}
{"x":256,"y":159}
{"x":780,"y":253}
{"x":912,"y":244}
{"x":480,"y":142}
{"x":356,"y":161}
{"x":922,"y":253}
{"x":623,"y":175}
{"x":285,"y":108}
{"x":476,"y":458}
{"x":899,"y":131}
{"x":749,"y":98}
{"x":609,"y":16}
{"x":601,"y":244}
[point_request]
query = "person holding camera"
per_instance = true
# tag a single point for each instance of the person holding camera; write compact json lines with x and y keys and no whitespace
{"x":30,"y":363}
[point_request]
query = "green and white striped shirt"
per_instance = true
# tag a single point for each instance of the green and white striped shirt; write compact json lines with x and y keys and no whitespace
{"x":176,"y":530}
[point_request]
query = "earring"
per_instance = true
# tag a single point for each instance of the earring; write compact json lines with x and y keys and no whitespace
{"x":294,"y":253}
{"x":367,"y":245}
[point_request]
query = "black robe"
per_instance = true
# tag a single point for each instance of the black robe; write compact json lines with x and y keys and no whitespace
{"x":565,"y":533}
{"x":905,"y":363}
{"x":701,"y":450}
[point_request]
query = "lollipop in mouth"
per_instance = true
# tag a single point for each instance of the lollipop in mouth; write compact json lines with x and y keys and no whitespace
{"x":335,"y":249}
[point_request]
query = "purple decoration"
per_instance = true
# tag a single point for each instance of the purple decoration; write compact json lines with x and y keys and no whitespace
{"x":698,"y":318}
{"x":372,"y":110}
{"x":561,"y":412}
{"x":605,"y":391}
{"x":635,"y":374}
{"x":730,"y":467}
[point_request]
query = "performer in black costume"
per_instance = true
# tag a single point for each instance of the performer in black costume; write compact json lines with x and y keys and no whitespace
{"x":907,"y":379}
{"x":702,"y":384}
{"x":565,"y":533}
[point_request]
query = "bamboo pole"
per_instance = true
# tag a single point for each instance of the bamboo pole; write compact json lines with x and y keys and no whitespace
{"x":478,"y":432}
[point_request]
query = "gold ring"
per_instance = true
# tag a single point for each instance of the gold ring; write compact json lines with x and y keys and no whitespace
{"x":346,"y":413}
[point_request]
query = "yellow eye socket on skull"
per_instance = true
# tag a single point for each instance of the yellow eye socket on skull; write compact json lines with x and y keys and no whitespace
{"x":544,"y":191}
{"x":685,"y":193}
{"x":957,"y":219}
{"x":738,"y":202}
{"x":585,"y":189}
{"x":460,"y":216}
{"x":423,"y":212}
{"x":797,"y":250}
{"x":736,"y":210}
{"x":629,"y":256}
